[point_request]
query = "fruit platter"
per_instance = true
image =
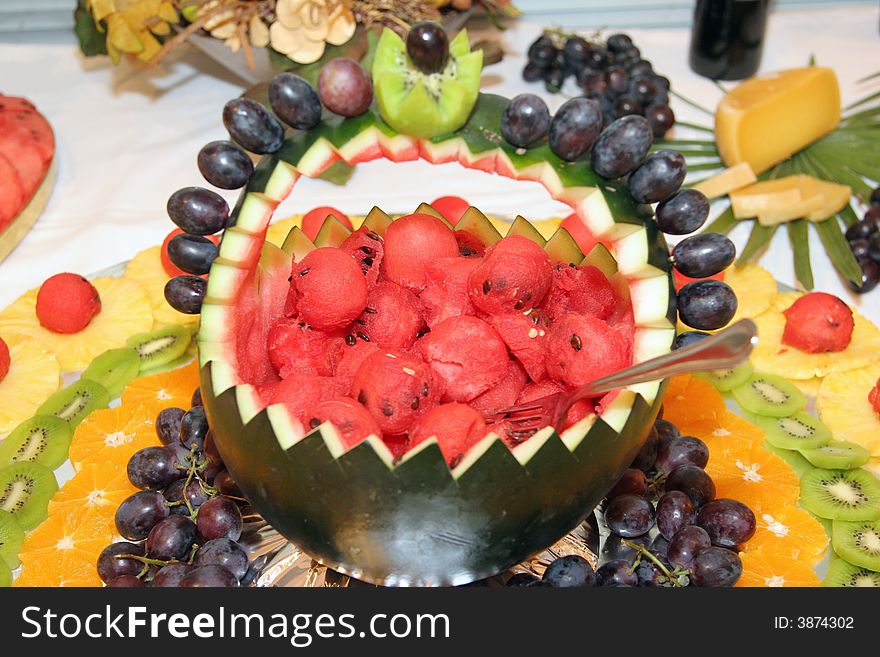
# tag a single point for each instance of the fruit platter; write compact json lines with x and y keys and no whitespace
{"x":318,"y":398}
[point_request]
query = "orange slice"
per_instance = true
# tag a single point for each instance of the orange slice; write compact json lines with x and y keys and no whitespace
{"x":693,"y":405}
{"x":789,"y":533}
{"x":760,"y":480}
{"x":112,"y":435}
{"x":762,"y":568}
{"x":174,"y":388}
{"x":731,"y":436}
{"x":96,"y":490}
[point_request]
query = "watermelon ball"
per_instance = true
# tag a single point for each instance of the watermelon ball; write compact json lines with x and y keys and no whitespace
{"x":4,"y":359}
{"x":396,"y":389}
{"x":504,"y":393}
{"x":466,"y":355}
{"x":451,"y":207}
{"x":526,"y":337}
{"x":330,"y":288}
{"x":66,"y":303}
{"x":296,"y":349}
{"x":368,"y":250}
{"x":582,"y":290}
{"x":457,"y":428}
{"x":352,"y":421}
{"x":582,"y":348}
{"x":818,"y":322}
{"x":392,"y":318}
{"x":515,"y":275}
{"x":411,"y":243}
{"x":873,"y":396}
{"x":314,"y":219}
{"x":350,"y":361}
{"x":446,"y":289}
{"x":300,"y":394}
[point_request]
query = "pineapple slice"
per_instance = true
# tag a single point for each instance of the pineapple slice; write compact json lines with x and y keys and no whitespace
{"x":755,"y":289}
{"x":33,"y":375}
{"x":810,"y":387}
{"x":770,"y":355}
{"x":125,"y":311}
{"x":146,"y":269}
{"x":843,"y":405}
{"x":278,"y":229}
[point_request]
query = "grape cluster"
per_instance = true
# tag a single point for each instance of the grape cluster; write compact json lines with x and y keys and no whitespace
{"x":183,"y":525}
{"x":666,"y":527}
{"x":864,"y":240}
{"x":613,"y":73}
{"x":344,"y":87}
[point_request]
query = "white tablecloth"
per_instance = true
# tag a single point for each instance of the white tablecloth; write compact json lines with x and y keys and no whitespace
{"x":128,"y":137}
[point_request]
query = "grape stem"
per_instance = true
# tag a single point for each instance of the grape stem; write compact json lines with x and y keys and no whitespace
{"x":644,"y":552}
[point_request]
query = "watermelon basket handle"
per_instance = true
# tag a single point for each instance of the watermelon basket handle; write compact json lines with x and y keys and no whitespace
{"x":725,"y":349}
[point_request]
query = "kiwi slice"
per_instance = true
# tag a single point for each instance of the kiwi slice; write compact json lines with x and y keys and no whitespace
{"x":43,"y":439}
{"x":5,"y":575}
{"x":186,"y":359}
{"x":727,"y":379}
{"x":797,"y":462}
{"x":769,"y":395}
{"x":798,"y":431}
{"x":11,"y":538}
{"x":25,"y":491}
{"x":839,"y":455}
{"x":841,"y":494}
{"x":160,"y":346}
{"x":73,"y":403}
{"x":844,"y":574}
{"x":114,"y":369}
{"x":857,"y":542}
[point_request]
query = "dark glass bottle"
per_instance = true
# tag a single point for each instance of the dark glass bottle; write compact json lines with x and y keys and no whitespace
{"x":727,"y":38}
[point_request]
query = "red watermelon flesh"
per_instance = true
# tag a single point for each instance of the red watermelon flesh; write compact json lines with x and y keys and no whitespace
{"x":446,"y":289}
{"x":457,"y":428}
{"x":504,"y":393}
{"x":526,"y":339}
{"x":27,"y":142}
{"x":397,"y":390}
{"x":392,"y":318}
{"x":353,"y":422}
{"x":582,"y":348}
{"x":330,"y":289}
{"x":12,"y":197}
{"x":411,"y":243}
{"x":296,"y":349}
{"x":536,"y":390}
{"x":300,"y":394}
{"x":469,"y":244}
{"x":467,"y":355}
{"x":584,"y":290}
{"x":350,"y":361}
{"x":515,"y":275}
{"x":16,"y":104}
{"x":368,"y":249}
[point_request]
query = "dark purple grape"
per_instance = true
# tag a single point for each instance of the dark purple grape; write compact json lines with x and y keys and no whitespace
{"x":194,"y":428}
{"x":616,"y":573}
{"x":428,"y":47}
{"x":170,"y":576}
{"x":168,"y":425}
{"x":873,"y":247}
{"x":110,"y":566}
{"x":225,"y":165}
{"x":626,"y":106}
{"x":706,"y":305}
{"x":859,"y":248}
{"x":593,"y":82}
{"x":224,"y":483}
{"x":212,"y":455}
{"x":532,"y":72}
{"x":194,"y":493}
{"x":295,"y":101}
{"x":621,"y":147}
{"x":554,"y":78}
{"x":542,"y":52}
{"x":520,"y":580}
{"x":682,"y":450}
{"x":872,"y":218}
{"x":570,"y":571}
{"x":675,"y":511}
{"x":649,"y":575}
{"x":526,"y":119}
{"x":198,"y":211}
{"x":599,"y":58}
{"x":683,"y":212}
{"x":537,"y":584}
{"x":153,"y":468}
{"x":196,"y":399}
{"x":658,"y":178}
{"x":172,"y":538}
{"x":860,"y":230}
{"x":345,"y":87}
{"x":729,"y":523}
{"x":619,"y":43}
{"x":660,"y":548}
{"x":703,"y":255}
{"x":662,"y":82}
{"x":644,"y":460}
{"x":629,"y":515}
{"x":875,"y":198}
{"x":125,"y":582}
{"x":693,"y":482}
{"x":186,"y":293}
{"x":688,"y":338}
{"x":632,"y":482}
{"x":210,"y":576}
{"x":252,"y":126}
{"x":575,"y":127}
{"x":665,"y":430}
{"x":617,"y":79}
{"x":661,"y":118}
{"x":139,"y":513}
{"x":686,"y":544}
{"x":716,"y":566}
{"x":185,"y":457}
{"x":643,"y":89}
{"x":870,"y":276}
{"x":225,"y":553}
{"x":614,"y":548}
{"x":219,"y":518}
{"x":193,"y":254}
{"x":576,"y":52}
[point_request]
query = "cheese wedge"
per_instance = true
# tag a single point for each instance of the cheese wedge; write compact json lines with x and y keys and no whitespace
{"x":766,"y":119}
{"x":788,"y":198}
{"x":836,"y":198}
{"x":727,"y":181}
{"x":781,"y":214}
